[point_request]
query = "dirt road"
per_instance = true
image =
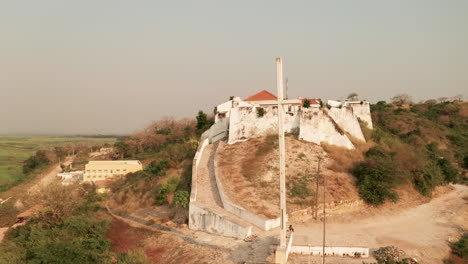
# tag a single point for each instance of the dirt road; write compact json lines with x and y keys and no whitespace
{"x":422,"y":232}
{"x":47,"y":178}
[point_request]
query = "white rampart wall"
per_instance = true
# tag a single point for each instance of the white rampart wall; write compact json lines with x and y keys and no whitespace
{"x":331,"y":251}
{"x":346,"y":119}
{"x":204,"y":219}
{"x":316,"y":126}
{"x":261,"y":222}
{"x":362,"y":111}
{"x":244,"y":123}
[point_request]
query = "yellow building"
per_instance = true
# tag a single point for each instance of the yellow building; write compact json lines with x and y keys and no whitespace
{"x":104,"y":169}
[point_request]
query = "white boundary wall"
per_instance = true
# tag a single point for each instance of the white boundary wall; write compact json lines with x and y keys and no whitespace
{"x":261,"y":222}
{"x":204,"y":219}
{"x":314,"y":124}
{"x":331,"y":251}
{"x":317,"y":126}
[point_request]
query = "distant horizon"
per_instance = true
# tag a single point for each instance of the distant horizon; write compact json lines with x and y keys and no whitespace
{"x":111,"y":67}
{"x":29,"y":134}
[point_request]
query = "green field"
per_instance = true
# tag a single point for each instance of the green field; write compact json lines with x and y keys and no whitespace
{"x":15,"y":149}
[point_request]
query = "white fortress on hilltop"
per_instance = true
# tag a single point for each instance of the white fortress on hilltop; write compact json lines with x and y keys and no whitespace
{"x":239,"y":120}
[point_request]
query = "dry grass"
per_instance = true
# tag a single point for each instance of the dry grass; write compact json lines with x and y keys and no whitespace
{"x":343,"y":158}
{"x":258,"y":191}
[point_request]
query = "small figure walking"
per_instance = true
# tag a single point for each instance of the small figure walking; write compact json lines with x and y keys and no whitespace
{"x":291,"y":229}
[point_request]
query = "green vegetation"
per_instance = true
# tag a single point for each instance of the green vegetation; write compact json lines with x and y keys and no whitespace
{"x":203,"y":122}
{"x":377,"y":176}
{"x":260,"y":112}
{"x":460,"y":248}
{"x":15,"y":150}
{"x":306,"y":103}
{"x":299,"y":187}
{"x":65,"y":230}
{"x":167,"y":147}
{"x":181,"y":199}
{"x":425,"y":144}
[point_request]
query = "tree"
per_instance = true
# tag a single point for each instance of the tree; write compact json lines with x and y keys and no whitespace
{"x":122,"y":148}
{"x":260,"y":112}
{"x":203,"y":122}
{"x":61,"y":152}
{"x":306,"y":103}
{"x":352,"y":97}
{"x":401,"y":99}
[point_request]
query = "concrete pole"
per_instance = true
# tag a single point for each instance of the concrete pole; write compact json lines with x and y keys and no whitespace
{"x":279,"y":80}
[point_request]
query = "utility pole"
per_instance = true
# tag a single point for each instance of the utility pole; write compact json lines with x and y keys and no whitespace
{"x":317,"y":189}
{"x":324,"y":217}
{"x":279,"y":81}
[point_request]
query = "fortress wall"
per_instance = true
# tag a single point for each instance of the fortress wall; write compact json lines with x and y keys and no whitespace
{"x":219,"y":130}
{"x":316,"y":126}
{"x":346,"y":119}
{"x":244,"y":123}
{"x":362,"y":111}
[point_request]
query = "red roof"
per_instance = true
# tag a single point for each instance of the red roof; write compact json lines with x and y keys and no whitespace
{"x":312,"y":101}
{"x":262,"y":96}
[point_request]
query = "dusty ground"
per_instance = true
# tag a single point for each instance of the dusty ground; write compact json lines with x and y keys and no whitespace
{"x":47,"y":178}
{"x":421,"y":227}
{"x":250,"y":171}
{"x":160,"y":247}
{"x":422,"y":232}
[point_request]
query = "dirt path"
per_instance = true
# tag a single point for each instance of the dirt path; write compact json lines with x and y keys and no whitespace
{"x":208,"y":193}
{"x":422,"y":232}
{"x":48,"y":177}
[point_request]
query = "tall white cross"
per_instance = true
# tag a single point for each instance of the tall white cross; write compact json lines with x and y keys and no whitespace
{"x":282,"y":153}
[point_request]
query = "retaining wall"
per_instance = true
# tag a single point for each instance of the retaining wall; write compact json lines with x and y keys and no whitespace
{"x":331,"y":251}
{"x":204,"y":219}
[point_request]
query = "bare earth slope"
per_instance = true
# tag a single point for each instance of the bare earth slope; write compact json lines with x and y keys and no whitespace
{"x":251,"y":175}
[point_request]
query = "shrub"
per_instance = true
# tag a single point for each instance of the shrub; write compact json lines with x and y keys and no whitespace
{"x":260,"y":112}
{"x":306,"y":103}
{"x":375,"y":183}
{"x":450,"y":173}
{"x":427,"y":179}
{"x":181,"y":199}
{"x":35,"y":161}
{"x":300,"y":189}
{"x":460,"y":248}
{"x":377,"y":176}
{"x":161,"y":195}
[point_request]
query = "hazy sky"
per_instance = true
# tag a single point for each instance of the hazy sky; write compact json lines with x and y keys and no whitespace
{"x":113,"y":66}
